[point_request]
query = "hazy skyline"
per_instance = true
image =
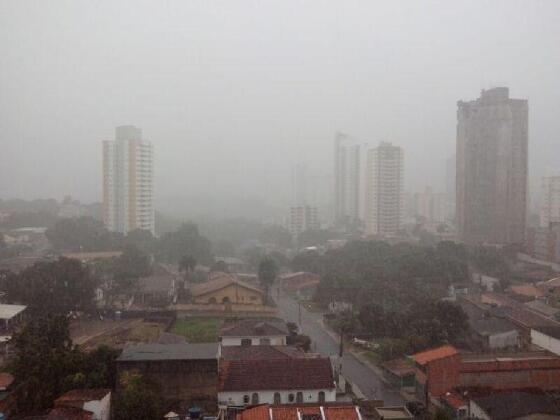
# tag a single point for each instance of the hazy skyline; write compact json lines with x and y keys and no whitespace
{"x":233,"y":93}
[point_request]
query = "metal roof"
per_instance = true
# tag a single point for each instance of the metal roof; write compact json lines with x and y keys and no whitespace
{"x":182,"y":351}
{"x":9,"y":311}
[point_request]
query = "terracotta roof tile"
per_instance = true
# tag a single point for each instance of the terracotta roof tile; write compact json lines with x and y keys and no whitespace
{"x":434,"y":354}
{"x":281,"y":374}
{"x":220,"y":282}
{"x":6,"y":379}
{"x":262,"y":352}
{"x":82,"y":395}
{"x":331,"y":412}
{"x":69,"y":413}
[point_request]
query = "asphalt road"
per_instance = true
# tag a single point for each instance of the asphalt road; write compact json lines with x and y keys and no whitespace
{"x":352,"y":368}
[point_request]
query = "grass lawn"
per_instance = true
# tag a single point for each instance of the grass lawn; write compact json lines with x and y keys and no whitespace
{"x":198,"y":330}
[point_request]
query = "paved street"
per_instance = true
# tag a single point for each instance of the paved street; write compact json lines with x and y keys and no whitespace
{"x":352,"y":368}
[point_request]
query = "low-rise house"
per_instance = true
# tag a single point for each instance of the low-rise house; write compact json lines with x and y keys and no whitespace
{"x":493,"y":333}
{"x":276,"y":381}
{"x":302,"y":283}
{"x":226,"y":288}
{"x":69,"y":413}
{"x":399,"y":373}
{"x":254,"y":332}
{"x":185,"y":373}
{"x":392,"y":413}
{"x":514,"y":405}
{"x":543,"y":308}
{"x":157,"y":289}
{"x":335,"y":411}
{"x":95,"y":402}
{"x":10,"y":317}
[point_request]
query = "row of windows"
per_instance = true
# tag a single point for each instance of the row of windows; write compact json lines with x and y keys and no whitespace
{"x":298,"y":398}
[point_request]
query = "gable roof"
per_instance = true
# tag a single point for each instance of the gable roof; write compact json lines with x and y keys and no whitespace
{"x":491,"y":325}
{"x":431,"y":355}
{"x":156,"y":351}
{"x":9,"y":311}
{"x":254,"y":328}
{"x":280,"y":374}
{"x":69,"y":413}
{"x":220,"y":282}
{"x":553,"y":332}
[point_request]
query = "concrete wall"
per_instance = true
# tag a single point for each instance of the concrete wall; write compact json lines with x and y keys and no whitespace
{"x":309,"y":396}
{"x":504,"y":340}
{"x":476,"y":412}
{"x":545,"y":341}
{"x":101,"y":409}
{"x":255,"y":341}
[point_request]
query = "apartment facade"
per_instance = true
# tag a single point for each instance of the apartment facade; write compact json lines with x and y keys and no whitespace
{"x":492,"y":141}
{"x":347,"y":178}
{"x":303,"y":218}
{"x":128,"y":182}
{"x":384,"y":190}
{"x":550,"y":205}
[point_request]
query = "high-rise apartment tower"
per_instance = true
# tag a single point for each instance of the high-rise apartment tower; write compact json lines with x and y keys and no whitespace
{"x":491,"y":197}
{"x":128,"y":182}
{"x":384,"y":190}
{"x":347,"y":174}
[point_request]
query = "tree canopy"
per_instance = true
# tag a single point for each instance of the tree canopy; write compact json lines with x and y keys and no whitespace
{"x":185,"y":240}
{"x":56,"y":287}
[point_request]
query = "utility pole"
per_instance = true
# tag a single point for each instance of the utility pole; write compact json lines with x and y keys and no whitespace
{"x":341,"y":349}
{"x":299,"y":315}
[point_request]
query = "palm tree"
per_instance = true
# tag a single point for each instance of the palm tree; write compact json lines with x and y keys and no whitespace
{"x":267,"y":274}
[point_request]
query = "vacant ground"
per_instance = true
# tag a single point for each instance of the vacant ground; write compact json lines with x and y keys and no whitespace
{"x":198,"y":329}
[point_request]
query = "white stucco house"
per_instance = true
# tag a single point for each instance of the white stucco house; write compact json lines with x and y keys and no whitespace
{"x":254,"y":332}
{"x":279,"y":381}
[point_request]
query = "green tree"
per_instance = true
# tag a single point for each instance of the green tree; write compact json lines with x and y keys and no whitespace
{"x":141,"y":239}
{"x":185,"y":240}
{"x":138,"y":399}
{"x":43,"y":358}
{"x":268,"y":270}
{"x":83,"y":234}
{"x":187,"y":264}
{"x":131,"y":265}
{"x":276,"y":235}
{"x":56,"y":287}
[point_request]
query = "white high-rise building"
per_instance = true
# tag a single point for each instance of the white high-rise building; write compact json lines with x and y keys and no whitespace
{"x":347,"y":179}
{"x":384,"y":190}
{"x":303,"y":218}
{"x":128,"y":182}
{"x":550,"y":205}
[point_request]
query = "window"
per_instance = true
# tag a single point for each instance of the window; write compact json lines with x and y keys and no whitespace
{"x":245,"y":399}
{"x":321,"y":396}
{"x":264,"y":341}
{"x":226,"y":300}
{"x":254,"y":398}
{"x":278,"y":398}
{"x":291,"y":398}
{"x":299,"y":397}
{"x":245,"y":341}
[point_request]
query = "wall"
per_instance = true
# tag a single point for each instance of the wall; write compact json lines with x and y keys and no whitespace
{"x":476,"y":412}
{"x":503,"y":340}
{"x":443,"y":374}
{"x":309,"y":396}
{"x":255,"y":341}
{"x":235,"y":294}
{"x":101,"y":409}
{"x":546,"y":342}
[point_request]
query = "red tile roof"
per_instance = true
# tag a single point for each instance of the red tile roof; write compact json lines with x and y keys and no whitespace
{"x":278,"y":374}
{"x":82,"y":395}
{"x":434,"y":354}
{"x":69,"y":413}
{"x":262,"y":352}
{"x":329,"y":412}
{"x":6,"y":379}
{"x":220,"y":282}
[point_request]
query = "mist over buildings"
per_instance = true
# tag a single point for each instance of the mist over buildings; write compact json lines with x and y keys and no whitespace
{"x":233,"y":94}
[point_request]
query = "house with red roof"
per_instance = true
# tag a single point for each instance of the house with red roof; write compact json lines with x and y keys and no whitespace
{"x":94,"y":404}
{"x":276,"y":381}
{"x":335,"y":411}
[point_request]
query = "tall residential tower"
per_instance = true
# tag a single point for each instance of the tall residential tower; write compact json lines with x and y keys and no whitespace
{"x":384,"y":190}
{"x":347,"y":174}
{"x":128,"y":182}
{"x":491,"y":197}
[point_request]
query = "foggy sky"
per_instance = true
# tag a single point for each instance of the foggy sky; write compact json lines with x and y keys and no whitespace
{"x":232,"y":93}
